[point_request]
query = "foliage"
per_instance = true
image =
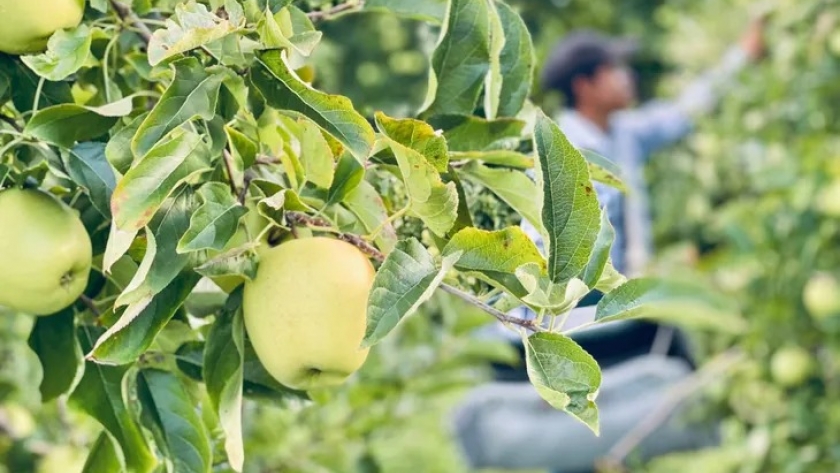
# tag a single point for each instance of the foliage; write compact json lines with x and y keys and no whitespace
{"x":751,"y":193}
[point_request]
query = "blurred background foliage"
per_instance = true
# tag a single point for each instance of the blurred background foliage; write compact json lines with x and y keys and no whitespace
{"x":750,"y":203}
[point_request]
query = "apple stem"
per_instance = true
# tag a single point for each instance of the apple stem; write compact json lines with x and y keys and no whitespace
{"x":127,"y":14}
{"x":91,"y":306}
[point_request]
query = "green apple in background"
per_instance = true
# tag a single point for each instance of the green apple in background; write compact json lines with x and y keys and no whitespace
{"x":828,"y":199}
{"x":26,"y":25}
{"x":62,"y":459}
{"x":45,"y":252}
{"x":821,"y":296}
{"x":306,"y":311}
{"x":791,"y":366}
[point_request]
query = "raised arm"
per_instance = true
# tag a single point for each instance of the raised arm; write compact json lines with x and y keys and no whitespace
{"x":661,"y":123}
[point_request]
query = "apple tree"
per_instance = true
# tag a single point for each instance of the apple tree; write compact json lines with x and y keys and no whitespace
{"x":755,"y":191}
{"x":191,"y":140}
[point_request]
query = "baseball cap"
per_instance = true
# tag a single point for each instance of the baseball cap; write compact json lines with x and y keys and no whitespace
{"x":581,"y":52}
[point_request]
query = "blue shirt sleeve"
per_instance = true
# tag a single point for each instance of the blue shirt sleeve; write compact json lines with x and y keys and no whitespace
{"x":660,"y":123}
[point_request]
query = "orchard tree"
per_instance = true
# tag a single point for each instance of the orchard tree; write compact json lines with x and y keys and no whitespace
{"x":756,"y":189}
{"x":152,"y":147}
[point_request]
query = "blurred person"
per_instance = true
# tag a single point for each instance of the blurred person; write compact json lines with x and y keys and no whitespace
{"x":505,"y":424}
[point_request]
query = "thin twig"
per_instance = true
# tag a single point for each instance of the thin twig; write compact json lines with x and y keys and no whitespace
{"x":127,"y":15}
{"x":88,"y":302}
{"x":340,"y":8}
{"x":297,"y":218}
{"x":674,"y":397}
{"x":228,"y":159}
{"x":501,"y":316}
{"x":244,"y":192}
{"x":263,"y":160}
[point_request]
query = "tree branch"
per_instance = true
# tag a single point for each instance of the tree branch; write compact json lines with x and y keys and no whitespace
{"x":674,"y":397}
{"x":127,"y":15}
{"x":227,"y":158}
{"x":88,"y":302}
{"x":349,"y":5}
{"x":501,"y":316}
{"x":297,"y":218}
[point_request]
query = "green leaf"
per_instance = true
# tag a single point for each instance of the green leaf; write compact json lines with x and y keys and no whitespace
{"x":141,"y":321}
{"x":214,"y":223}
{"x":600,"y":253}
{"x":514,"y":187}
{"x":240,"y":261}
{"x":517,"y":62}
{"x":67,"y":51}
{"x":461,"y":60}
{"x":603,"y":170}
{"x":367,"y":205}
{"x":493,"y":80}
{"x":496,"y":255}
{"x":433,"y":11}
{"x":418,"y":136}
{"x":145,"y":187}
{"x":104,"y":455}
{"x":570,"y":211}
{"x":118,"y":150}
{"x":510,"y":159}
{"x":565,"y":375}
{"x":191,"y":27}
{"x":5,"y":171}
{"x":87,"y":166}
{"x":53,"y":339}
{"x":470,"y":134}
{"x":182,"y":432}
{"x":430,"y":199}
{"x":348,"y":175}
{"x":543,"y":293}
{"x":610,"y":279}
{"x":289,"y":28}
{"x":334,"y":113}
{"x":407,"y":278}
{"x":162,"y":263}
{"x":100,"y":395}
{"x":24,"y":85}
{"x":674,"y":301}
{"x":192,"y":94}
{"x":65,"y":124}
{"x":316,"y":155}
{"x":243,"y":153}
{"x":464,"y":218}
{"x":223,"y":375}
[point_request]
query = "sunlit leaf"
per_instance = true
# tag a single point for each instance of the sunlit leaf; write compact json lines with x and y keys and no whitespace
{"x":565,"y":375}
{"x":334,"y":113}
{"x":461,"y":60}
{"x":570,"y":212}
{"x":407,"y":278}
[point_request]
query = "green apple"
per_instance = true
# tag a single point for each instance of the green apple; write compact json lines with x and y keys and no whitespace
{"x":828,"y":199}
{"x":821,"y":296}
{"x":62,"y":459}
{"x":26,"y":25}
{"x":306,"y":310}
{"x":791,"y":366}
{"x":45,"y":252}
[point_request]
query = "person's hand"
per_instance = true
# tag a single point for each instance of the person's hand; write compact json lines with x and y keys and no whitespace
{"x":753,"y":39}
